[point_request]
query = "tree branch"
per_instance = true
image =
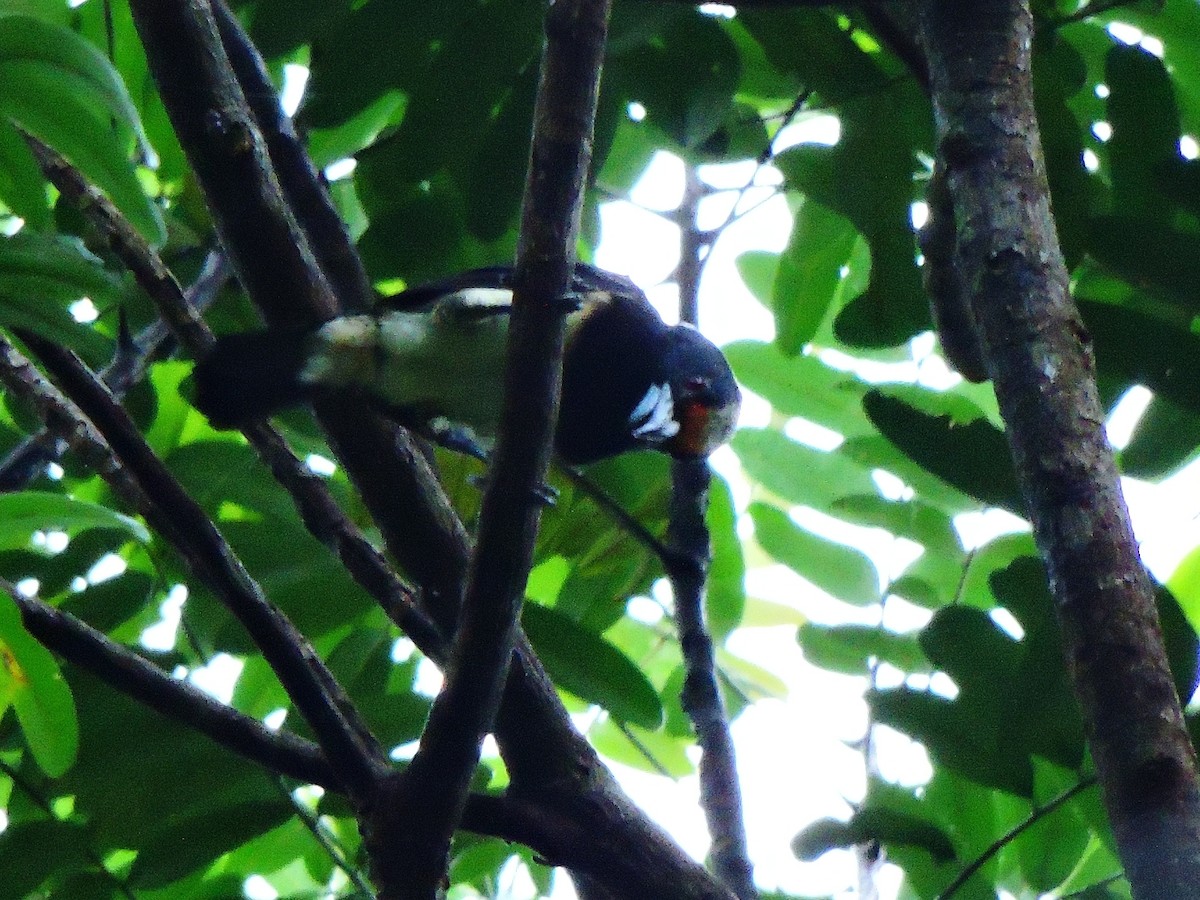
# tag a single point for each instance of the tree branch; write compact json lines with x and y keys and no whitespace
{"x":307,"y":197}
{"x":226,"y":150}
{"x":348,"y":745}
{"x":419,"y":819}
{"x":546,"y":757}
{"x":124,"y":670}
{"x":28,"y":459}
{"x":317,"y":506}
{"x":688,"y":538}
{"x":1039,"y":358}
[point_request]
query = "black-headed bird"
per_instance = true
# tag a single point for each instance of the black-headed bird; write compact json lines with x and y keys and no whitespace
{"x":434,"y":356}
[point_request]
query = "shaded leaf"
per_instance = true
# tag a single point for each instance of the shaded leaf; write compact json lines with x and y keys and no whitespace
{"x":852,"y":648}
{"x":590,"y":667}
{"x":23,"y":513}
{"x":31,"y":682}
{"x":838,"y":570}
{"x":809,"y":274}
{"x":973,"y":458}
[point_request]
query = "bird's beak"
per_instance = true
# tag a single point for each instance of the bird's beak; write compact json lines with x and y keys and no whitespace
{"x":702,"y":428}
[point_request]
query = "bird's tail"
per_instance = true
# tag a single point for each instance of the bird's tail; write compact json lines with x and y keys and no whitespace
{"x":247,"y":377}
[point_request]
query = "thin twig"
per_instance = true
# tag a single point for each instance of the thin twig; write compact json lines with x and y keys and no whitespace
{"x":329,"y":845}
{"x":1012,"y":834}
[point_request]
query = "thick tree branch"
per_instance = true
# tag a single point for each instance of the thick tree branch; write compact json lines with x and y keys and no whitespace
{"x":346,"y":742}
{"x":307,"y":197}
{"x":220,"y":137}
{"x":1039,"y":358}
{"x":420,"y":818}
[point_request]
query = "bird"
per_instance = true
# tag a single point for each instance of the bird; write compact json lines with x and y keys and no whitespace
{"x":433,"y":356}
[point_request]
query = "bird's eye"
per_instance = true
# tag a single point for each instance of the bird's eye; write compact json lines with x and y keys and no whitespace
{"x":696,"y":384}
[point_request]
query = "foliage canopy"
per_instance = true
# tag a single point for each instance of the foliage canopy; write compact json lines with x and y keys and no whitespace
{"x":106,"y":798}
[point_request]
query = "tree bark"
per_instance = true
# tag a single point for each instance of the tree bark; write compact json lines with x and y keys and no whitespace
{"x":1038,"y":354}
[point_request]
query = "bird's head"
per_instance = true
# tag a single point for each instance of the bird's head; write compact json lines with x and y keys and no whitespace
{"x":704,"y":395}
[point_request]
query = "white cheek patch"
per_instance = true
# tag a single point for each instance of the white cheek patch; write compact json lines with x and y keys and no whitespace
{"x":653,"y":419}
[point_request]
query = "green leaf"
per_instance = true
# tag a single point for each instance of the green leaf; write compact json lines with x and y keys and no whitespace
{"x":758,"y":268}
{"x":186,"y":843}
{"x":840,"y":571}
{"x":31,"y":681}
{"x":957,"y":734}
{"x":973,"y":458}
{"x":801,"y":386}
{"x":725,"y":599}
{"x":22,"y":187}
{"x":41,"y":276}
{"x":867,"y":177}
{"x":1143,"y":349}
{"x":1051,"y":848}
{"x":1165,"y":437}
{"x":590,"y":667}
{"x":883,"y":825}
{"x":23,"y":513}
{"x":30,"y":852}
{"x":62,"y":90}
{"x":1059,"y":73}
{"x":850,"y":649}
{"x":1145,"y":129}
{"x":1184,"y":584}
{"x":797,"y":473}
{"x":685,"y":77}
{"x":809,"y":274}
{"x":27,"y":39}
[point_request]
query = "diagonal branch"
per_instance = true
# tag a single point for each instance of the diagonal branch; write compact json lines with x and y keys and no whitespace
{"x":133,"y":675}
{"x":1038,"y":355}
{"x":414,"y":826}
{"x":307,"y":197}
{"x":321,"y":513}
{"x":349,"y":746}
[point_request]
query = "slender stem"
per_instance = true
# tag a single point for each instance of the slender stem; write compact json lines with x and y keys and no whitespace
{"x":688,"y":537}
{"x":1012,"y":834}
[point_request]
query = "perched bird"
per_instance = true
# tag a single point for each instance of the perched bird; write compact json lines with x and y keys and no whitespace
{"x":434,"y":356}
